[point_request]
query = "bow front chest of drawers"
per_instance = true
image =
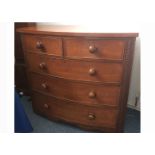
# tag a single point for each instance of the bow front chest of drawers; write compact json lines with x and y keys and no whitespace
{"x":80,"y":77}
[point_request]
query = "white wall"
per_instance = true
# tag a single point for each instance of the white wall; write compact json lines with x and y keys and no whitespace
{"x":134,"y":90}
{"x":126,"y":27}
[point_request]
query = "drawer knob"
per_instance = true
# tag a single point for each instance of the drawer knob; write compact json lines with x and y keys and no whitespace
{"x":42,"y":65}
{"x":39,"y":45}
{"x":92,"y":49}
{"x":91,"y":116}
{"x":44,"y":85}
{"x":92,"y":94}
{"x":46,"y":106}
{"x":92,"y":71}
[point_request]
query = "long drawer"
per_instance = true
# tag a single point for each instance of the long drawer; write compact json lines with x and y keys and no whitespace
{"x":84,"y":93}
{"x":74,"y":113}
{"x":75,"y":69}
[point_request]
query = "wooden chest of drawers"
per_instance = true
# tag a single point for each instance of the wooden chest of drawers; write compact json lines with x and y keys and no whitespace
{"x":80,"y":78}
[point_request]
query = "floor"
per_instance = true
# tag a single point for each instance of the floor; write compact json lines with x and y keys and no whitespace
{"x":42,"y":125}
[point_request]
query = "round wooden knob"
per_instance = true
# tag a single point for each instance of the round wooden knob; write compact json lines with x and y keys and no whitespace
{"x":46,"y":106}
{"x":39,"y":45}
{"x":92,"y":71}
{"x":92,"y":49}
{"x":44,"y":85}
{"x":92,"y":94}
{"x":42,"y":65}
{"x":91,"y":116}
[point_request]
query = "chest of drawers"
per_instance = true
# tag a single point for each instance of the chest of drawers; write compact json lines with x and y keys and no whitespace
{"x":79,"y":77}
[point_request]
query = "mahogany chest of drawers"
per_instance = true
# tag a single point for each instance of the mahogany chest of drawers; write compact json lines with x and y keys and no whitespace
{"x":79,"y":77}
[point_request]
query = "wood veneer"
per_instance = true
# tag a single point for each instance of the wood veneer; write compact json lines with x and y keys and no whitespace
{"x":75,"y":113}
{"x":84,"y":93}
{"x":79,"y":76}
{"x":71,"y":69}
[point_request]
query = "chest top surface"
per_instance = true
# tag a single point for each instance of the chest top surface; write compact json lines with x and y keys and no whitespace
{"x":68,"y":30}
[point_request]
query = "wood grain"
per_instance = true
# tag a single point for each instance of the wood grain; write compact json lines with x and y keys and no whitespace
{"x":82,"y":77}
{"x":75,"y":113}
{"x":76,"y":91}
{"x":105,"y":49}
{"x":79,"y":70}
{"x":76,"y":31}
{"x":50,"y":45}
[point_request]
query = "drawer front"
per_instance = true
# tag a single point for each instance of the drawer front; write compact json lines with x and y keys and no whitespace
{"x":84,"y":93}
{"x":68,"y":111}
{"x":96,"y":49}
{"x":48,"y":45}
{"x":77,"y":70}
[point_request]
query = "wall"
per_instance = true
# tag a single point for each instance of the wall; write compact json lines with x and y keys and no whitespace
{"x":134,"y":91}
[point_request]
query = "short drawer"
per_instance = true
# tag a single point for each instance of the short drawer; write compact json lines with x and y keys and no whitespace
{"x":76,"y":69}
{"x":84,"y":93}
{"x":94,"y":48}
{"x":70,"y":112}
{"x":46,"y":45}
